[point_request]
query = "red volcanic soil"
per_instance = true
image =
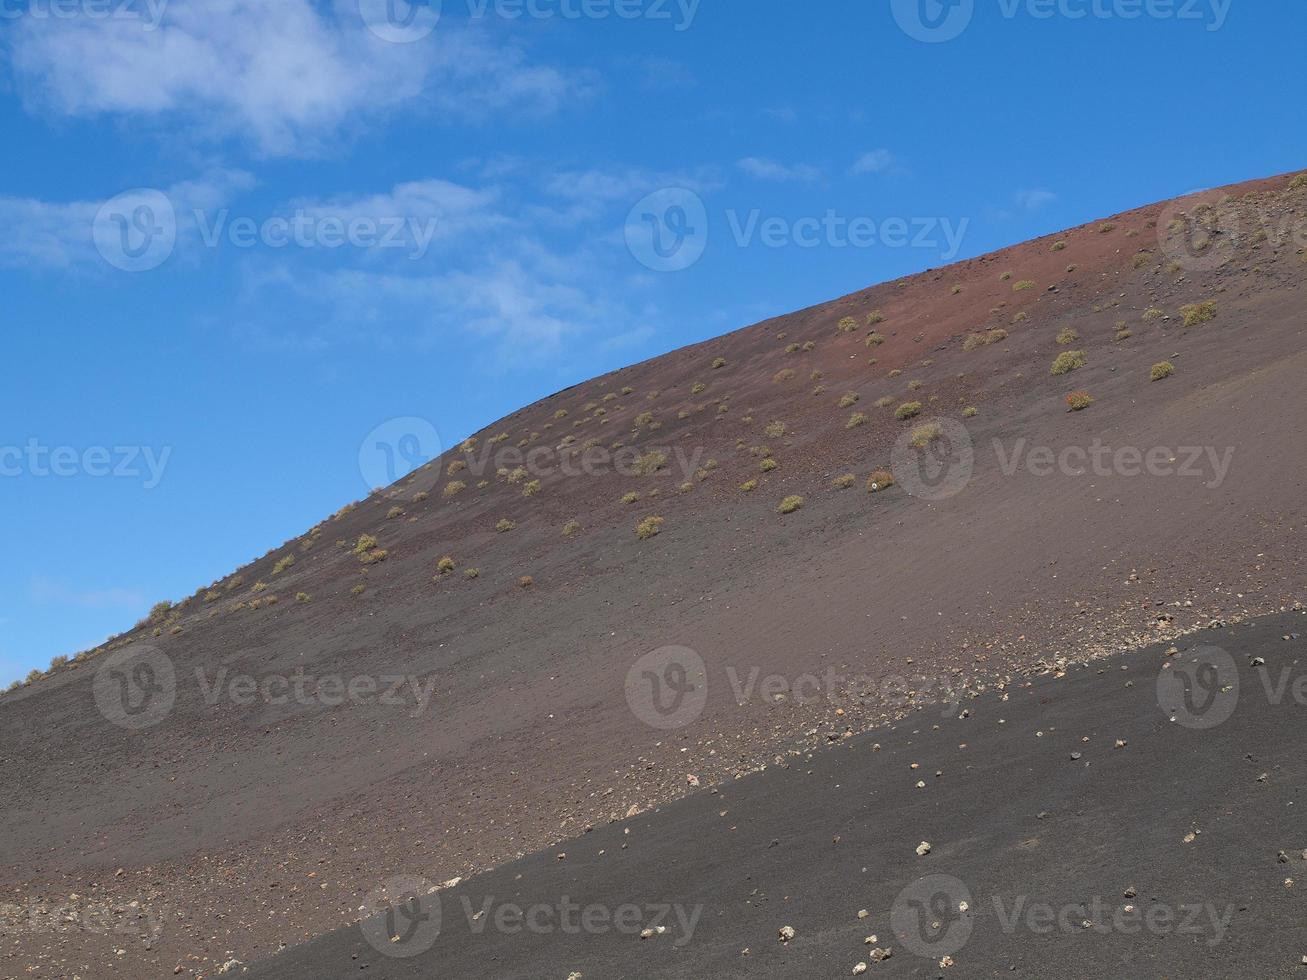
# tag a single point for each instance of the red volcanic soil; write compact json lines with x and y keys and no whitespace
{"x":242,"y":820}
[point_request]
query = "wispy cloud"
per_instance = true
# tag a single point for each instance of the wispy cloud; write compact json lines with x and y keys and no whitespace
{"x":873,"y":162}
{"x":534,"y":274}
{"x":782,"y":113}
{"x":1033,"y":200}
{"x":287,"y":76}
{"x":764,"y":169}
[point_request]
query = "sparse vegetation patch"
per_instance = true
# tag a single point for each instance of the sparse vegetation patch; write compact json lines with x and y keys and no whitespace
{"x":790,"y":504}
{"x":1068,"y":361}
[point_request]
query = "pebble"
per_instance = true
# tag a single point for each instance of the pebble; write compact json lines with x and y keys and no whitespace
{"x":923,"y":848}
{"x":786,"y":933}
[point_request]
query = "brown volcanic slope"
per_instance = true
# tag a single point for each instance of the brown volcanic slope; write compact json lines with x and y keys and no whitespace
{"x":237,"y":827}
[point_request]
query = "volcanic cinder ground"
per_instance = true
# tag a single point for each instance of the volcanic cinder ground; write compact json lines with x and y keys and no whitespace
{"x":234,"y":821}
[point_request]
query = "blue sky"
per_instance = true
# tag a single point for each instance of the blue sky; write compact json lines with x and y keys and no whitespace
{"x":336,"y":221}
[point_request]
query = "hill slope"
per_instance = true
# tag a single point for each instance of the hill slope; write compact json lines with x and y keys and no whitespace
{"x":242,"y":821}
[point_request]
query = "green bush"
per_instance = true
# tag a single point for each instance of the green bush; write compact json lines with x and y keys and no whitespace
{"x":1196,"y":313}
{"x":1068,"y":361}
{"x":790,"y":504}
{"x":907,"y":410}
{"x":648,"y":527}
{"x":924,"y":435}
{"x":650,"y":463}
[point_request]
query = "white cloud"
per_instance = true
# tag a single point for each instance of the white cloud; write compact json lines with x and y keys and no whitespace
{"x":873,"y":162}
{"x":285,"y":75}
{"x":1033,"y":200}
{"x":764,"y":169}
{"x":444,"y":209}
{"x":543,"y":281}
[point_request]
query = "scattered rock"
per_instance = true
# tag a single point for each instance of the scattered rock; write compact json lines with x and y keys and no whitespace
{"x":786,"y":933}
{"x":923,"y":848}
